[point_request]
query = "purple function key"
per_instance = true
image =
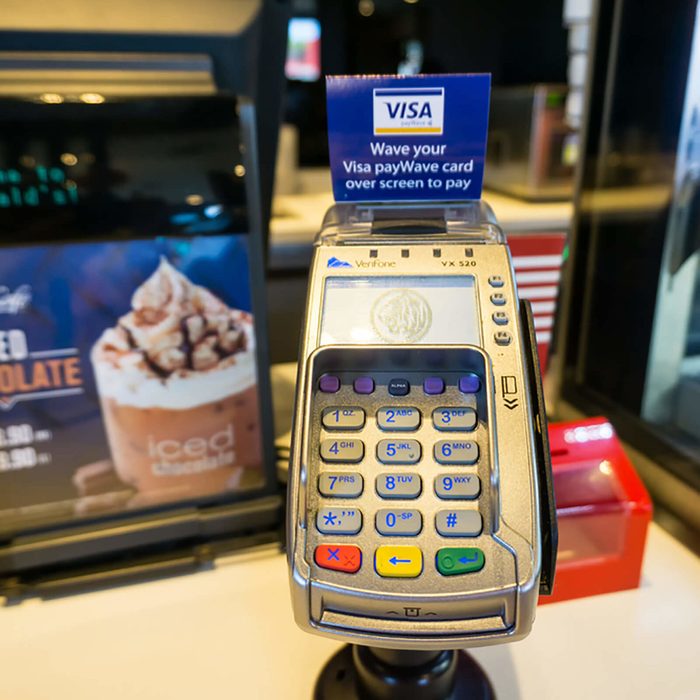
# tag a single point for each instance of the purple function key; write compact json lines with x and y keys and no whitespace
{"x":364,"y":385}
{"x":469,"y":384}
{"x":329,"y":384}
{"x":433,"y":385}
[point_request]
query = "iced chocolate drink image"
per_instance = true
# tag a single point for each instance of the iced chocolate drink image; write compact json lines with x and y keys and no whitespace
{"x":177,"y":383}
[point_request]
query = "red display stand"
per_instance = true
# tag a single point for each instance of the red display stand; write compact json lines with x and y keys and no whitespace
{"x":603,"y":511}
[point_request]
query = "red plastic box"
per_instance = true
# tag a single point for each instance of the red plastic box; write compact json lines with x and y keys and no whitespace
{"x":603,"y":511}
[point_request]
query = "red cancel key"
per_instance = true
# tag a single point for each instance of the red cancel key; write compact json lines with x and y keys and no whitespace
{"x":339,"y":557}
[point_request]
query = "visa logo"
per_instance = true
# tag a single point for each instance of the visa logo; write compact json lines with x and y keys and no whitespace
{"x":409,"y":110}
{"x":406,"y":111}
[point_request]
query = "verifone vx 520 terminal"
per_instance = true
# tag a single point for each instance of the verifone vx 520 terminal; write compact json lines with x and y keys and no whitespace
{"x":420,"y":503}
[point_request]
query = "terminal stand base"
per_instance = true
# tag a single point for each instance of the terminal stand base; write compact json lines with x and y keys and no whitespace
{"x":366,"y":673}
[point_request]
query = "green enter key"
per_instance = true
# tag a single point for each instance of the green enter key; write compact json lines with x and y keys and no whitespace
{"x":459,"y":560}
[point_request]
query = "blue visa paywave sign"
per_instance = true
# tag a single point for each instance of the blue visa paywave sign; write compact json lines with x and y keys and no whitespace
{"x":404,"y":138}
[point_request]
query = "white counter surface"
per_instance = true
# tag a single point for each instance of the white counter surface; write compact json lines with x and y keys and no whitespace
{"x":228,"y":633}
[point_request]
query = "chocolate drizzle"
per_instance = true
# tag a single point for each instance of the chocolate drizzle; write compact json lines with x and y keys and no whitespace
{"x":176,"y":326}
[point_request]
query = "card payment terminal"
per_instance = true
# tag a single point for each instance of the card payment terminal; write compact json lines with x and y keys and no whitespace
{"x":421,"y":513}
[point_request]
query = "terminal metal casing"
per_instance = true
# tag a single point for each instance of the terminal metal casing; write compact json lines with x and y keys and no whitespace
{"x":499,"y":605}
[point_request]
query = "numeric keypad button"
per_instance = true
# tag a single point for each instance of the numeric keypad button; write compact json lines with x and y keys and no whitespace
{"x":398,"y":451}
{"x":398,"y":485}
{"x":401,"y":522}
{"x":452,"y":561}
{"x":339,"y":557}
{"x":398,"y":561}
{"x":398,"y":418}
{"x":456,"y":452}
{"x":342,"y":418}
{"x":465,"y":486}
{"x":454,"y":418}
{"x":333,"y":450}
{"x":339,"y":521}
{"x":340,"y":484}
{"x":459,"y":523}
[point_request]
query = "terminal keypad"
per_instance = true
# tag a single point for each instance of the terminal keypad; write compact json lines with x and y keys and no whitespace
{"x":399,"y":460}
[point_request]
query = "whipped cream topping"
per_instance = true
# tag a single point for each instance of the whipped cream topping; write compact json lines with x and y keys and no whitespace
{"x":176,"y":330}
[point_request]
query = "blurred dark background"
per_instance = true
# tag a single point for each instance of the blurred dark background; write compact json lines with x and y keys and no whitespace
{"x":499,"y":37}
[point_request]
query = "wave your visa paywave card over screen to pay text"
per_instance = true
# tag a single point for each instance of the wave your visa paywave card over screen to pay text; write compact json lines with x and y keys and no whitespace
{"x":401,"y":138}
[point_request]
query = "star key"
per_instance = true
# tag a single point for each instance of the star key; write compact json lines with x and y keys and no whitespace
{"x":339,"y":557}
{"x":338,"y":521}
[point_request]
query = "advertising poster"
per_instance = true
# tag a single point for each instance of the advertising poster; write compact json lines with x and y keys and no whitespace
{"x":128,"y":376}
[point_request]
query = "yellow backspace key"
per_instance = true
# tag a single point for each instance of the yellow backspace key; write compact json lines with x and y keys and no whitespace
{"x":398,"y":561}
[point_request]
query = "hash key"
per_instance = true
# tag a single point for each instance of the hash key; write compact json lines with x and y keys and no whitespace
{"x":459,"y":523}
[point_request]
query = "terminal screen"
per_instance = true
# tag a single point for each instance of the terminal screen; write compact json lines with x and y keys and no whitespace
{"x":400,"y":310}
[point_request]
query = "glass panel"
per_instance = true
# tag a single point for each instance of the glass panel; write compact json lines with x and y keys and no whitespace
{"x":632,"y":345}
{"x":672,"y":390}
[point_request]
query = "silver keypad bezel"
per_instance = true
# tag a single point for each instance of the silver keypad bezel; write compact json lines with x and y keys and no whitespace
{"x":412,"y":364}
